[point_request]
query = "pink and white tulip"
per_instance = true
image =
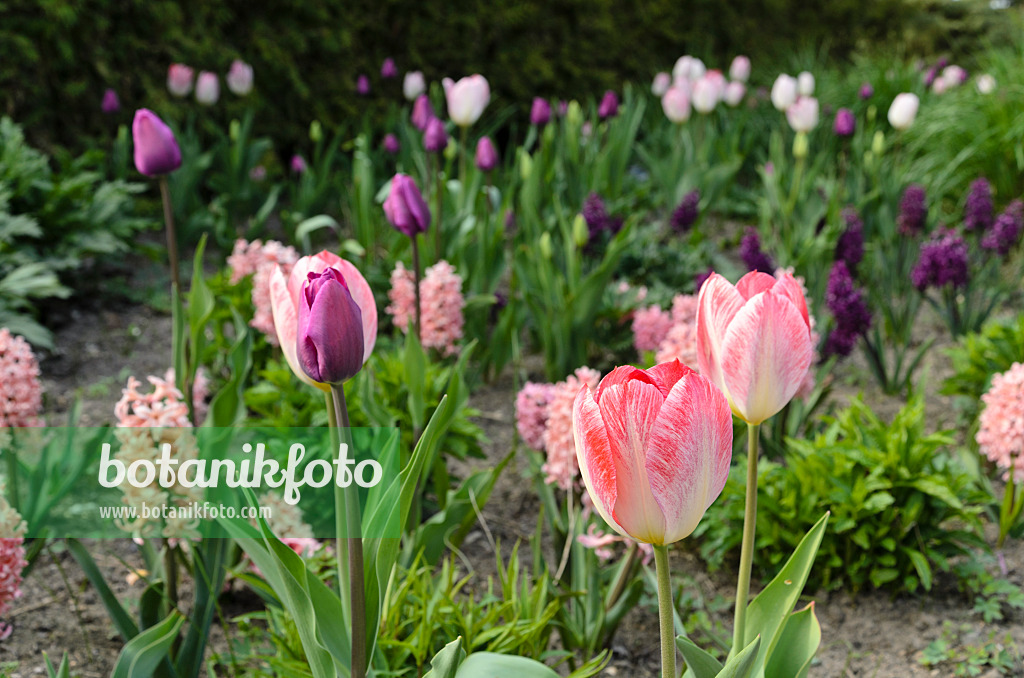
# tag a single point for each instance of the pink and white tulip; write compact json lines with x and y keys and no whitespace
{"x":179,"y":80}
{"x":207,"y":88}
{"x":662,"y":81}
{"x":467,"y":99}
{"x":903,"y":110}
{"x":754,"y":341}
{"x":413,"y":85}
{"x":676,"y":105}
{"x":805,"y":84}
{"x":784,"y":92}
{"x":654,"y":448}
{"x":739,"y":69}
{"x":734,"y":93}
{"x":803,"y":114}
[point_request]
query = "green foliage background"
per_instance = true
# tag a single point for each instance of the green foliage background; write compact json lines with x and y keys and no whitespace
{"x":60,"y":55}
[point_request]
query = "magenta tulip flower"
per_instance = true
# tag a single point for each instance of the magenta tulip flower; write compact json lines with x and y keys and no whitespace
{"x":156,"y":149}
{"x":298,"y":164}
{"x":754,"y":341}
{"x":435,"y":139}
{"x":540,"y":112}
{"x":287,"y":294}
{"x":363,"y":86}
{"x":388,"y":69}
{"x":405,"y":207}
{"x":845,"y":123}
{"x":486,"y":155}
{"x":422,"y":113}
{"x":330,"y":337}
{"x":391,"y":144}
{"x":654,"y":448}
{"x":609,"y":106}
{"x":111,"y":104}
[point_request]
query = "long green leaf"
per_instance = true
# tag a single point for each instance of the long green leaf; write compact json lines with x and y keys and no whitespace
{"x":123,"y":622}
{"x":145,"y":652}
{"x":493,"y":665}
{"x":446,"y":662}
{"x":796,"y":648}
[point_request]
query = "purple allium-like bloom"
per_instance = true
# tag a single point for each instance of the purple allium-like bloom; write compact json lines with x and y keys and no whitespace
{"x":850,"y":246}
{"x":609,"y":107}
{"x":598,"y":219}
{"x":844,"y":123}
{"x":1006,"y":231}
{"x":753,"y":257}
{"x":866,"y":91}
{"x":943,"y":261}
{"x":978,"y":212}
{"x":913,"y":210}
{"x":700,"y":278}
{"x":685,"y":215}
{"x":848,"y":307}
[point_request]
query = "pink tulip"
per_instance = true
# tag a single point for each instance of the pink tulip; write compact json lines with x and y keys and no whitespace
{"x":156,"y":150}
{"x":239,"y":78}
{"x":734,"y":93}
{"x":662,"y":81}
{"x":803,"y":114}
{"x":754,"y":341}
{"x":467,"y":99}
{"x":422,"y":113}
{"x":285,"y":297}
{"x":739,"y":69}
{"x":179,"y":80}
{"x":654,"y":448}
{"x":676,"y":105}
{"x":207,"y":88}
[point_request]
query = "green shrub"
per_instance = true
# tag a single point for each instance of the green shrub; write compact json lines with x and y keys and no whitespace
{"x":979,"y":356}
{"x":901,"y":503}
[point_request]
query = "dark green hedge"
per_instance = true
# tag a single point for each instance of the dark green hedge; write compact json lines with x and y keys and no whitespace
{"x":59,"y":55}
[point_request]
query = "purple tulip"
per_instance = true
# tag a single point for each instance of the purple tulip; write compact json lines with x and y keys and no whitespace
{"x":422,"y":113}
{"x":405,"y":207}
{"x":844,"y":123}
{"x":388,"y":69}
{"x":330,"y":336}
{"x":111,"y":104}
{"x":363,"y":86}
{"x":156,"y":149}
{"x":866,"y":91}
{"x":540,"y":112}
{"x":486,"y":155}
{"x":391,"y":144}
{"x":563,"y":108}
{"x":298,"y":164}
{"x":609,"y":107}
{"x":435,"y":139}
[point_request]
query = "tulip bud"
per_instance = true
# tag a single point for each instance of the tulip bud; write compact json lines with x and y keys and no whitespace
{"x":234,"y":129}
{"x":609,"y":106}
{"x":413,"y":85}
{"x":734,"y":93}
{"x":179,"y":80}
{"x":866,"y":91}
{"x":422,"y":113}
{"x":486,"y":155}
{"x":739,"y":70}
{"x":467,"y":99}
{"x":688,"y":68}
{"x":784,"y":92}
{"x":239,"y":78}
{"x":872,"y":113}
{"x":316,"y":131}
{"x":525,"y":164}
{"x":878,"y":143}
{"x":405,"y":207}
{"x":574,"y":114}
{"x":805,"y":84}
{"x":450,"y":152}
{"x":298,"y":164}
{"x":207,"y":88}
{"x":330,"y":337}
{"x":800,"y":145}
{"x":435,"y":138}
{"x":111,"y":104}
{"x":362,"y":85}
{"x":156,"y":150}
{"x":986,"y":84}
{"x":391,"y":144}
{"x":706,"y":93}
{"x":676,"y":105}
{"x":903,"y":110}
{"x":662,"y":81}
{"x":540,"y":112}
{"x":545,"y":246}
{"x":844,"y":123}
{"x":388,"y":69}
{"x":803,"y":114}
{"x":580,"y":232}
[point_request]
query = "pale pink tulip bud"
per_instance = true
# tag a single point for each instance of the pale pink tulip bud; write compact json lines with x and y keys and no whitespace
{"x":734,"y":93}
{"x":784,"y":92}
{"x":903,"y":110}
{"x":239,"y":78}
{"x":676,"y":105}
{"x":803,"y":114}
{"x":706,"y":94}
{"x":179,"y":80}
{"x":413,"y":85}
{"x":467,"y":99}
{"x":739,"y":70}
{"x":986,"y":84}
{"x":805,"y":84}
{"x":662,"y":81}
{"x":688,"y":68}
{"x":207,"y":88}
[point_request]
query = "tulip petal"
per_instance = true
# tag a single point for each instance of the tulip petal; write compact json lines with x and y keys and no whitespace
{"x":792,"y":289}
{"x":593,"y":452}
{"x":765,"y":355}
{"x":717,"y":304}
{"x":286,"y":322}
{"x":690,"y":452}
{"x":629,"y":411}
{"x":327,"y":329}
{"x":667,"y":374}
{"x":754,"y":283}
{"x":621,"y":375}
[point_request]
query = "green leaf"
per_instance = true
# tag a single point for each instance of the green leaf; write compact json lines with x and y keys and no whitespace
{"x":141,"y":656}
{"x":123,"y":622}
{"x":492,"y":665}
{"x":63,"y":671}
{"x":446,"y":662}
{"x":742,"y":664}
{"x":796,"y":648}
{"x":699,"y":663}
{"x":924,"y":570}
{"x":768,"y":612}
{"x":415,"y":369}
{"x":228,"y":406}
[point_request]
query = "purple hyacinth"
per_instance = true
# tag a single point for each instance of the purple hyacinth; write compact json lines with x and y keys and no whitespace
{"x":850,"y":246}
{"x":701,"y":278}
{"x":686,"y":214}
{"x":1006,"y":231}
{"x":943,"y":261}
{"x":609,"y":106}
{"x":978,"y":212}
{"x":753,"y":257}
{"x":913,"y":210}
{"x":848,"y":307}
{"x":597,"y":217}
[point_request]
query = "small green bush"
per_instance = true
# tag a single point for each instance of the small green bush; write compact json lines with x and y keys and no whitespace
{"x":979,"y":356}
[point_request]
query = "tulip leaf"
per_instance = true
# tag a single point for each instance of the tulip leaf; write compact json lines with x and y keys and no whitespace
{"x":796,"y":647}
{"x":768,"y":612}
{"x":145,"y":652}
{"x":493,"y":665}
{"x":742,"y":664}
{"x":415,"y":371}
{"x":446,"y":662}
{"x":699,"y":663}
{"x":123,"y":621}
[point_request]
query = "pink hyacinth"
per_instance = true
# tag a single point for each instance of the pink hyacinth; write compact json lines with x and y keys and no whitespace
{"x":12,"y":558}
{"x":679,"y":344}
{"x":561,"y":466}
{"x":532,"y":413}
{"x":650,"y":327}
{"x":441,"y":305}
{"x":261,"y":260}
{"x":1001,"y":424}
{"x":601,"y":542}
{"x":684,"y":308}
{"x":164,"y":407}
{"x":21,"y":396}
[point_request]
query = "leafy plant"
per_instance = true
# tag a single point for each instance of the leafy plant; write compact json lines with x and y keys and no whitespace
{"x":950,"y":651}
{"x":977,"y":357}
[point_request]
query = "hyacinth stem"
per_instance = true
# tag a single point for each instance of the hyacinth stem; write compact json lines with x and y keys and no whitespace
{"x":747,"y":550}
{"x":354,"y":542}
{"x":416,"y":282}
{"x":172,"y":238}
{"x":170,"y":575}
{"x":668,"y":643}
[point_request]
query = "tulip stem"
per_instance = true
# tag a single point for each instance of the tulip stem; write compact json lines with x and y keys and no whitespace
{"x":354,"y":543}
{"x":172,"y":238}
{"x":668,"y":644}
{"x":416,"y":280}
{"x":747,"y":550}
